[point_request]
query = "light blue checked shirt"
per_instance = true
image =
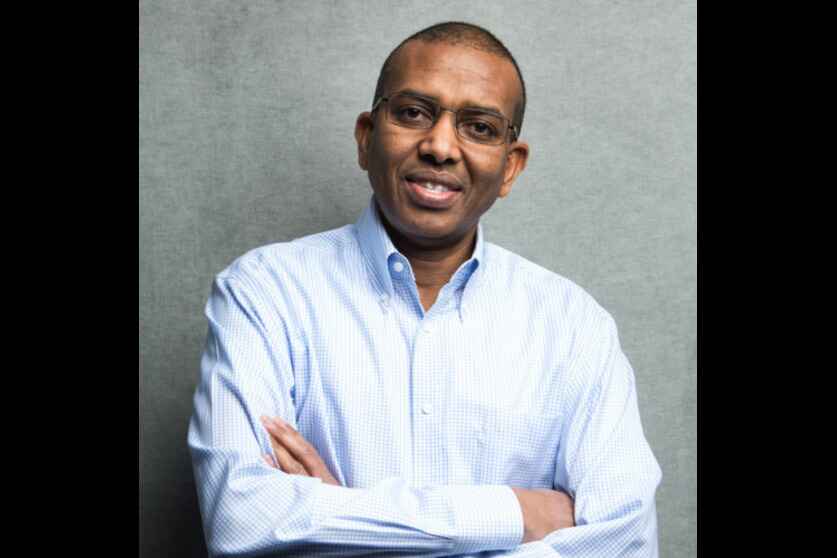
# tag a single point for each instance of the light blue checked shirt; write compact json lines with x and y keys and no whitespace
{"x":515,"y":377}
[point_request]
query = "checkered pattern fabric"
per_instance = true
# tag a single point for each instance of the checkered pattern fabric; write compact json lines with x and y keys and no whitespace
{"x":514,"y":377}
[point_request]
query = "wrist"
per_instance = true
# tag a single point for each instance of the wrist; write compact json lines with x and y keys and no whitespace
{"x":522,"y":501}
{"x":488,"y":517}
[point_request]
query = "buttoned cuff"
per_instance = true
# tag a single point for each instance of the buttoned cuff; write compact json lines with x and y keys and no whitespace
{"x":487,"y":518}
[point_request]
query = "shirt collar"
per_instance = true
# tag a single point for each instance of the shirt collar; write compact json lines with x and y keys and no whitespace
{"x":380,"y":252}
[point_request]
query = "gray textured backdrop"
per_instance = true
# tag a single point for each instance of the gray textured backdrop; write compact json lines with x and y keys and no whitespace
{"x":246,"y":114}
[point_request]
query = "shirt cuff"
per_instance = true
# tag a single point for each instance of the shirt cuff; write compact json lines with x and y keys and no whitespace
{"x":487,"y":518}
{"x":330,"y":500}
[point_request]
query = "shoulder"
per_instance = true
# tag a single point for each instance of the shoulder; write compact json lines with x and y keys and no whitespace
{"x":281,"y":282}
{"x":306,"y":256}
{"x":556,"y":296}
{"x":581,"y":332}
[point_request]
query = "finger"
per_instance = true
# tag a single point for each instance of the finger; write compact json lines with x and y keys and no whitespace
{"x":282,"y":456}
{"x":286,"y":461}
{"x":298,"y":446}
{"x":303,"y":451}
{"x":269,"y":460}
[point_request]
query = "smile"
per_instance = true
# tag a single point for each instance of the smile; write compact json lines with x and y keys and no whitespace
{"x":434,"y":187}
{"x":431,"y":195}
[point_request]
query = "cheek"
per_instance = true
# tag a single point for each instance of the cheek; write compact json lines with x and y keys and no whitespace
{"x":389,"y":151}
{"x":487,"y":175}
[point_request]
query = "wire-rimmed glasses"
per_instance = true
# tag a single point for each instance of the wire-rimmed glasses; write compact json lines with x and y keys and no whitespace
{"x":410,"y":110}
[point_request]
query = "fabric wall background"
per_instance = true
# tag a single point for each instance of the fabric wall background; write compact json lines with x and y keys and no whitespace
{"x":246,"y":115}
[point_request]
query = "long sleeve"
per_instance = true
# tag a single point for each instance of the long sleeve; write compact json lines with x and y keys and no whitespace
{"x":604,"y":462}
{"x":250,"y":509}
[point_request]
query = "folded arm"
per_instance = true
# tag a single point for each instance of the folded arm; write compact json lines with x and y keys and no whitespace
{"x":543,"y":510}
{"x":251,"y":509}
{"x":604,"y":461}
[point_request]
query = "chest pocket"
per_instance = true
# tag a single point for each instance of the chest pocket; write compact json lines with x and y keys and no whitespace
{"x":507,"y":446}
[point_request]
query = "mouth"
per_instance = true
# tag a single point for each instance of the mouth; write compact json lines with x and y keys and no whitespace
{"x":432,"y":191}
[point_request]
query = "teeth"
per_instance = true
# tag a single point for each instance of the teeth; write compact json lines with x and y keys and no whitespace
{"x":434,"y":187}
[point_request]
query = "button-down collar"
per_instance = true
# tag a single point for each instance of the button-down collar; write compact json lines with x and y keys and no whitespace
{"x":386,"y":261}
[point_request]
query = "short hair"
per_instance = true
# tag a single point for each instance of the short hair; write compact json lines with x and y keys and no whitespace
{"x":458,"y":33}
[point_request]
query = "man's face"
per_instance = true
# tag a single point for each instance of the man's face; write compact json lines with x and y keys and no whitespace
{"x":400,"y":161}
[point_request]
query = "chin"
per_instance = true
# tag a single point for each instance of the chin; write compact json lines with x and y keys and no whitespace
{"x":435,"y":232}
{"x":423,"y":225}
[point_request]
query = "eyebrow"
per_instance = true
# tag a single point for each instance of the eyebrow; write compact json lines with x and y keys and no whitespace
{"x":432,"y":99}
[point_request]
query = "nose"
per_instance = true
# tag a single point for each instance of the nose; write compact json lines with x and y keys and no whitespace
{"x":440,"y":144}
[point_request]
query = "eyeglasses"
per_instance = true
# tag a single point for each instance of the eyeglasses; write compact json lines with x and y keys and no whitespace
{"x":475,"y":125}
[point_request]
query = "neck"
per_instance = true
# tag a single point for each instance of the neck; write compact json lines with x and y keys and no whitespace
{"x":433,"y":265}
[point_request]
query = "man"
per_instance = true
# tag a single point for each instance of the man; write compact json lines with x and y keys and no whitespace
{"x":433,"y":393}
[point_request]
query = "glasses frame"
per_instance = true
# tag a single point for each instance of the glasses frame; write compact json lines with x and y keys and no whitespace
{"x":439,"y":114}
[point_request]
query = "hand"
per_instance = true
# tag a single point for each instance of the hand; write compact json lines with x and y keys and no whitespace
{"x":544,"y":511}
{"x":293,"y":454}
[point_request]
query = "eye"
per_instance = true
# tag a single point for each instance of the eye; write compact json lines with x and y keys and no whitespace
{"x":413,"y":114}
{"x":480,"y":129}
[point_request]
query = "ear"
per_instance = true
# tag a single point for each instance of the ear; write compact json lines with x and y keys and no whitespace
{"x":516,"y":159}
{"x":363,"y":134}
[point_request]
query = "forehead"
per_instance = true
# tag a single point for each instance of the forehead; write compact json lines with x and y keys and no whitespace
{"x":457,"y":75}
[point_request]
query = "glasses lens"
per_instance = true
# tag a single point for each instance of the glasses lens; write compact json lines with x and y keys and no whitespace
{"x":411,"y":112}
{"x":481,"y":127}
{"x":471,"y":124}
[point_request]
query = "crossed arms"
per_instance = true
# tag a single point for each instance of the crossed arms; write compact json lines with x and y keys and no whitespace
{"x":543,"y":510}
{"x":252,"y":509}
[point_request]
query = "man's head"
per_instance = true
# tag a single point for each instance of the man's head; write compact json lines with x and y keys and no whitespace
{"x":462,"y":34}
{"x":440,"y":145}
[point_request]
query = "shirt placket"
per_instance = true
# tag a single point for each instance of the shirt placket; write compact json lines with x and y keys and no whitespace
{"x":431,"y":368}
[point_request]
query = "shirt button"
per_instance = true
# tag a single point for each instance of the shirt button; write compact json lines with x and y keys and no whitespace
{"x":398,"y":267}
{"x":426,"y":409}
